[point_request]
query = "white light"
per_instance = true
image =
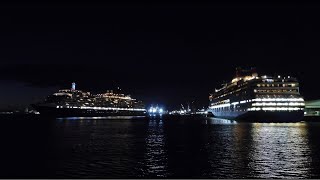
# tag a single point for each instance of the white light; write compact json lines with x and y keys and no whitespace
{"x":276,"y":109}
{"x":278,"y":104}
{"x":254,"y":109}
{"x":220,"y":105}
{"x":108,"y":108}
{"x":282,"y":104}
{"x":160,"y":110}
{"x":278,"y":99}
{"x":235,"y":103}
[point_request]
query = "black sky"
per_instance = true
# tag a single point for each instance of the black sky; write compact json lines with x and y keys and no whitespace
{"x":160,"y":53}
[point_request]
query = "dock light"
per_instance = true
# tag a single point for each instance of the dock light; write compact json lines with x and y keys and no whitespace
{"x":160,"y":110}
{"x":73,"y":86}
{"x":154,"y":110}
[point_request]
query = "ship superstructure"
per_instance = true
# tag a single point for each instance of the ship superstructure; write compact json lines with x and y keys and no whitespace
{"x":258,"y":98}
{"x":72,"y":102}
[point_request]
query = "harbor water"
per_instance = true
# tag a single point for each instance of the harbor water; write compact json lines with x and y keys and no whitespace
{"x":126,"y":147}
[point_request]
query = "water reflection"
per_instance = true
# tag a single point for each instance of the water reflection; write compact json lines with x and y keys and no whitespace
{"x":156,"y":157}
{"x":166,"y":148}
{"x":242,"y":147}
{"x":219,"y":121}
{"x":98,"y":148}
{"x":258,"y":150}
{"x":280,"y":150}
{"x":223,"y":156}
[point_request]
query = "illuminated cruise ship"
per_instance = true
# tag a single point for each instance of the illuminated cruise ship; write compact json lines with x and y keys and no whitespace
{"x":258,"y":98}
{"x":76,"y":103}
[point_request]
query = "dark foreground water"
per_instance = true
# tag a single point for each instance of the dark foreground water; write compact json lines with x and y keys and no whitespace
{"x":171,"y":148}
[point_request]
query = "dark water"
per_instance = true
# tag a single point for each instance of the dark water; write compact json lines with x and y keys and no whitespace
{"x":171,"y":148}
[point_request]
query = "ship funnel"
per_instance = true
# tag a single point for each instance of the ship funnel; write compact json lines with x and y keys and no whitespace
{"x":73,"y":87}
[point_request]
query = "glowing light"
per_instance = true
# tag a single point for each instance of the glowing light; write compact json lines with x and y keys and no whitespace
{"x":275,"y":109}
{"x":73,"y":86}
{"x":221,"y":105}
{"x":103,"y":108}
{"x":278,"y":99}
{"x":248,"y":78}
{"x":254,"y":109}
{"x":235,"y":80}
{"x":278,"y":104}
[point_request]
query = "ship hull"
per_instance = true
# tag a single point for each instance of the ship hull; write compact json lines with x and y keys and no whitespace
{"x":70,"y":112}
{"x":262,"y":116}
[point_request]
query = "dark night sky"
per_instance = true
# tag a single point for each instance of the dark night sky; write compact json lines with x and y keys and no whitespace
{"x":160,"y":53}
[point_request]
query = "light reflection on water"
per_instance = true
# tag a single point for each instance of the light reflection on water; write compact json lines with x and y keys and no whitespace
{"x":156,"y":156}
{"x":179,"y":148}
{"x":280,"y":150}
{"x":219,"y":121}
{"x":259,"y":150}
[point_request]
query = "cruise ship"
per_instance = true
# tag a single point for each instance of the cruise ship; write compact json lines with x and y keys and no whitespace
{"x":249,"y":97}
{"x":76,"y":103}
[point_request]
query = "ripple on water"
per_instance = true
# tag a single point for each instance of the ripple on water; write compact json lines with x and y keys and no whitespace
{"x":171,"y":149}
